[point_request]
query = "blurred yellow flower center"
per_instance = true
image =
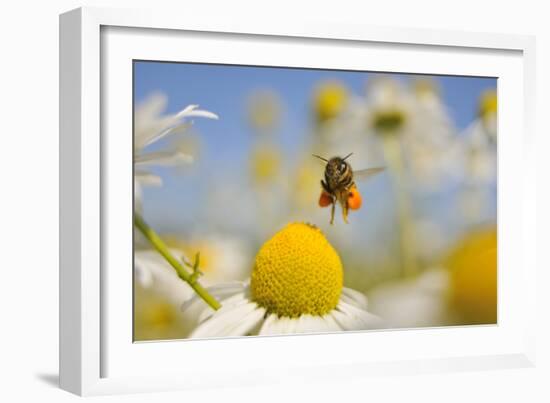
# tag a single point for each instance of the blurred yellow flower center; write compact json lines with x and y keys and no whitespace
{"x":330,"y":100}
{"x":388,"y":120}
{"x":473,"y":267}
{"x":488,"y":104}
{"x":297,"y":272}
{"x":159,"y":315}
{"x":264,"y":111}
{"x":265,"y":163}
{"x":424,"y":87}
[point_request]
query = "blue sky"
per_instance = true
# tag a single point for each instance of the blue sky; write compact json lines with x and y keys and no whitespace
{"x":225,"y":90}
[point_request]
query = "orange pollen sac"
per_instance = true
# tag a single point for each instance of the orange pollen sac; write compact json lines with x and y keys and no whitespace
{"x":354,"y":199}
{"x":325,"y":199}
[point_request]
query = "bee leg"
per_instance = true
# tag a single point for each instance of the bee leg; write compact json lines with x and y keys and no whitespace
{"x":325,"y":186}
{"x":333,"y":207}
{"x":345,"y":209}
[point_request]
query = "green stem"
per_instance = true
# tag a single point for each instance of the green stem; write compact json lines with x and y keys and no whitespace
{"x":392,"y":153}
{"x":161,"y":248}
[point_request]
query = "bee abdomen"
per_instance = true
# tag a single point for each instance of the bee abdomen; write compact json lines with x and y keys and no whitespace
{"x":346,"y":180}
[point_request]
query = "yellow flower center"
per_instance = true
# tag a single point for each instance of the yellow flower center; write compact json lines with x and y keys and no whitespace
{"x":265,"y":164}
{"x":264,"y":111}
{"x":424,"y":87}
{"x":330,"y":100}
{"x":473,"y":267}
{"x":488,"y":104}
{"x":388,"y":121}
{"x":297,"y":272}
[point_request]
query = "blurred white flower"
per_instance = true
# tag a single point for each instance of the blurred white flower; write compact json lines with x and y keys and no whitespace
{"x":414,"y":302}
{"x":480,"y":151}
{"x":479,"y":147}
{"x":240,"y":315}
{"x":161,"y":292}
{"x":150,"y":126}
{"x":153,"y":271}
{"x":264,"y":109}
{"x":390,"y":107}
{"x":221,"y":259}
{"x":417,"y":116}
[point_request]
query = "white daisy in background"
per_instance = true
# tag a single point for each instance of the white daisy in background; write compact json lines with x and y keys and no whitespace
{"x":415,"y":117}
{"x":150,"y":126}
{"x":462,"y":291}
{"x":264,"y":109}
{"x":418,"y":301}
{"x":221,"y":259}
{"x":153,"y":271}
{"x":433,"y":150}
{"x":389,"y":105}
{"x":480,"y":142}
{"x":296,"y":286}
{"x":340,"y":125}
{"x":480,"y":174}
{"x":158,"y":294}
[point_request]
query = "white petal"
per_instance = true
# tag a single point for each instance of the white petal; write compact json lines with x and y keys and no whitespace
{"x":268,"y":325}
{"x":346,"y":321}
{"x":271,"y":325}
{"x":163,"y":158}
{"x":192,"y":111}
{"x":143,"y":274}
{"x":369,"y":320}
{"x":138,"y":196}
{"x":226,"y":305}
{"x":173,"y":128}
{"x":275,"y":325}
{"x":228,"y":322}
{"x":147,"y":113}
{"x":312,"y":324}
{"x":164,"y":278}
{"x":225,"y":289}
{"x":355,"y":298}
{"x":249,"y":323}
{"x":220,"y":292}
{"x":287,"y":325}
{"x":147,"y":179}
{"x":331,"y":324}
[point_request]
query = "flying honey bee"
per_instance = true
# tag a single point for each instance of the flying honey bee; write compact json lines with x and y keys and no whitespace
{"x":339,"y":185}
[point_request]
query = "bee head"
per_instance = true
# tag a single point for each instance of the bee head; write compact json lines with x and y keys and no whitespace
{"x":340,"y":164}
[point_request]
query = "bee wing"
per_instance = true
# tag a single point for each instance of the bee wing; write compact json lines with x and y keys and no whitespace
{"x":367,"y":173}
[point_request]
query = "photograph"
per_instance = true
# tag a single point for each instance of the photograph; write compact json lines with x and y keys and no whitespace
{"x":275,"y":200}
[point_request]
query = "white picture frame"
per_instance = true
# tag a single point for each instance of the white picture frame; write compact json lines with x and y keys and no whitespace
{"x":96,"y":356}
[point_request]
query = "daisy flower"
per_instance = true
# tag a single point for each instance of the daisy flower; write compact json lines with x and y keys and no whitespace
{"x":417,"y":301}
{"x":330,"y":100}
{"x":415,"y":117}
{"x":462,"y":291}
{"x":221,"y":259}
{"x":480,"y":174}
{"x":153,"y":271}
{"x":481,"y":142}
{"x":150,"y":126}
{"x":264,"y":111}
{"x":296,"y":286}
{"x":158,"y":295}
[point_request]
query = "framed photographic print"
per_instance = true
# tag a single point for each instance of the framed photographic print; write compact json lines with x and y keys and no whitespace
{"x":244,"y":198}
